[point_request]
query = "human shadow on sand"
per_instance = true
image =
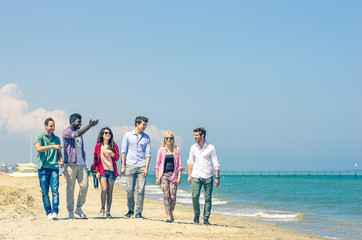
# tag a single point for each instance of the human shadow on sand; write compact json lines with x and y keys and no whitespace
{"x":149,"y":219}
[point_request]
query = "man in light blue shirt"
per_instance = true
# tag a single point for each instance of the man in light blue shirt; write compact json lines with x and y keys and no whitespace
{"x":135,"y":156}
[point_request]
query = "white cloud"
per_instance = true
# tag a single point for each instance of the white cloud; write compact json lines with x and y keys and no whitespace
{"x":118,"y":133}
{"x":155,"y":134}
{"x":16,"y":118}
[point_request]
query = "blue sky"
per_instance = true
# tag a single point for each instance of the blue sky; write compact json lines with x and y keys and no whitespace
{"x":276,"y":84}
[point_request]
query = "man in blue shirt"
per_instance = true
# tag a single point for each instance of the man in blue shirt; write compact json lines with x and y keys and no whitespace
{"x":135,"y":156}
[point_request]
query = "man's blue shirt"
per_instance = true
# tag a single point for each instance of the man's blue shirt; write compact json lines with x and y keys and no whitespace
{"x":136,"y":150}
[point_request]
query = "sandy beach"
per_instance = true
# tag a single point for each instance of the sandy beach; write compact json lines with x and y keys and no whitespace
{"x":22,"y":217}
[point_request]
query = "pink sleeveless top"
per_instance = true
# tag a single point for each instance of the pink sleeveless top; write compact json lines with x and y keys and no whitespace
{"x":106,"y":161}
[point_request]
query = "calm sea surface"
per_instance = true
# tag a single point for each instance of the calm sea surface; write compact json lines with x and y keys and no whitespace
{"x":329,"y":207}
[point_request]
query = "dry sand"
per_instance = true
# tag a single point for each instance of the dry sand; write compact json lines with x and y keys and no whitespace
{"x":22,"y":217}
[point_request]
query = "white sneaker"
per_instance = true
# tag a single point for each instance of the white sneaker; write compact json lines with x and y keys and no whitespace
{"x":102,"y":213}
{"x":50,"y":216}
{"x":79,"y":212}
{"x":55,"y":215}
{"x":71,"y":215}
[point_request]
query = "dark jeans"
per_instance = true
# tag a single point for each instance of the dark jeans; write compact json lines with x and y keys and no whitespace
{"x":196,"y":188}
{"x":95,"y":181}
{"x":49,"y":178}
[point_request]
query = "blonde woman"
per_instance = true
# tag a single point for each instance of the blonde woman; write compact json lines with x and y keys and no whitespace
{"x":168,"y":172}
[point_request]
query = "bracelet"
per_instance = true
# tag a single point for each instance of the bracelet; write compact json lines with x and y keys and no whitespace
{"x":217,"y":178}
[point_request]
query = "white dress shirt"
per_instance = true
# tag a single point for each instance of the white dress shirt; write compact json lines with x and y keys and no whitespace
{"x":202,"y":160}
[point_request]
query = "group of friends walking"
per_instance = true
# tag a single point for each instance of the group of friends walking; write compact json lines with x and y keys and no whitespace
{"x":135,"y":154}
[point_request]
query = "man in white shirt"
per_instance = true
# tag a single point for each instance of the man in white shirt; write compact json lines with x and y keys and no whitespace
{"x":199,"y":167}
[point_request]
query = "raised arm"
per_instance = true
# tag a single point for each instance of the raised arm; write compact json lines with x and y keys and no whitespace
{"x":91,"y":124}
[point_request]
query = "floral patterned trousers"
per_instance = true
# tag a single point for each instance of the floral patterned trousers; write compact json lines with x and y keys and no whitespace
{"x":169,"y":190}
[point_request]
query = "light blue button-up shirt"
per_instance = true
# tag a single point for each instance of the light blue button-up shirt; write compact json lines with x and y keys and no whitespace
{"x":136,"y":150}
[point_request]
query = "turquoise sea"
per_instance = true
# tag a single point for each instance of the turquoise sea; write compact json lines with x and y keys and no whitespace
{"x":328,"y":206}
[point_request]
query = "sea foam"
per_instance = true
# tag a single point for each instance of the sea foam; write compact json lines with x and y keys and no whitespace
{"x":275,"y":216}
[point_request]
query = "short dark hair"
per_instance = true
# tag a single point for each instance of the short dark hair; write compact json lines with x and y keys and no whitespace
{"x":74,"y":117}
{"x":140,"y":119}
{"x":46,"y":122}
{"x":201,"y":131}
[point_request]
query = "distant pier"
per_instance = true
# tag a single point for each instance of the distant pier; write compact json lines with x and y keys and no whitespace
{"x":291,"y":173}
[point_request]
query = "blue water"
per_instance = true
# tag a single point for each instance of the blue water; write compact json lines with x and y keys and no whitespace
{"x":330,"y":207}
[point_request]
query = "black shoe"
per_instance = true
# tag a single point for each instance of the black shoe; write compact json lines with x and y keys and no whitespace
{"x":129,"y":214}
{"x":139,"y":215}
{"x":196,"y":219}
{"x":206,"y":222}
{"x":169,"y":221}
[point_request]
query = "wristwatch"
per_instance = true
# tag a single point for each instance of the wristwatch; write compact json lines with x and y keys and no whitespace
{"x":218,"y":178}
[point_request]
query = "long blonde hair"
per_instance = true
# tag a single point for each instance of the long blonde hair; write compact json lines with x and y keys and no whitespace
{"x":173,"y":142}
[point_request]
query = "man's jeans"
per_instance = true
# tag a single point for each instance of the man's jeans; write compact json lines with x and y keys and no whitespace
{"x":73,"y":173}
{"x":49,"y":178}
{"x":133,"y":175}
{"x":196,"y":188}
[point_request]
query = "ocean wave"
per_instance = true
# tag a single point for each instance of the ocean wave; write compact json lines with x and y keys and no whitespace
{"x":183,"y":193}
{"x":181,"y":200}
{"x":184,"y":201}
{"x":121,"y":181}
{"x":154,"y":192}
{"x":275,"y":216}
{"x":153,"y":187}
{"x":350,"y":224}
{"x":219,"y":202}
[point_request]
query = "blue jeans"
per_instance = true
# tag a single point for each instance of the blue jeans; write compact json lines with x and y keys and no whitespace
{"x":110,"y":175}
{"x":49,"y":178}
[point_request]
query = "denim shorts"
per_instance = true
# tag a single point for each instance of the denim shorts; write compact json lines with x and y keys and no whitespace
{"x":110,"y":175}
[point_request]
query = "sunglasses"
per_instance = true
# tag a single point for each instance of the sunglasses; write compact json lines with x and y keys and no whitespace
{"x":109,"y":133}
{"x":169,"y":138}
